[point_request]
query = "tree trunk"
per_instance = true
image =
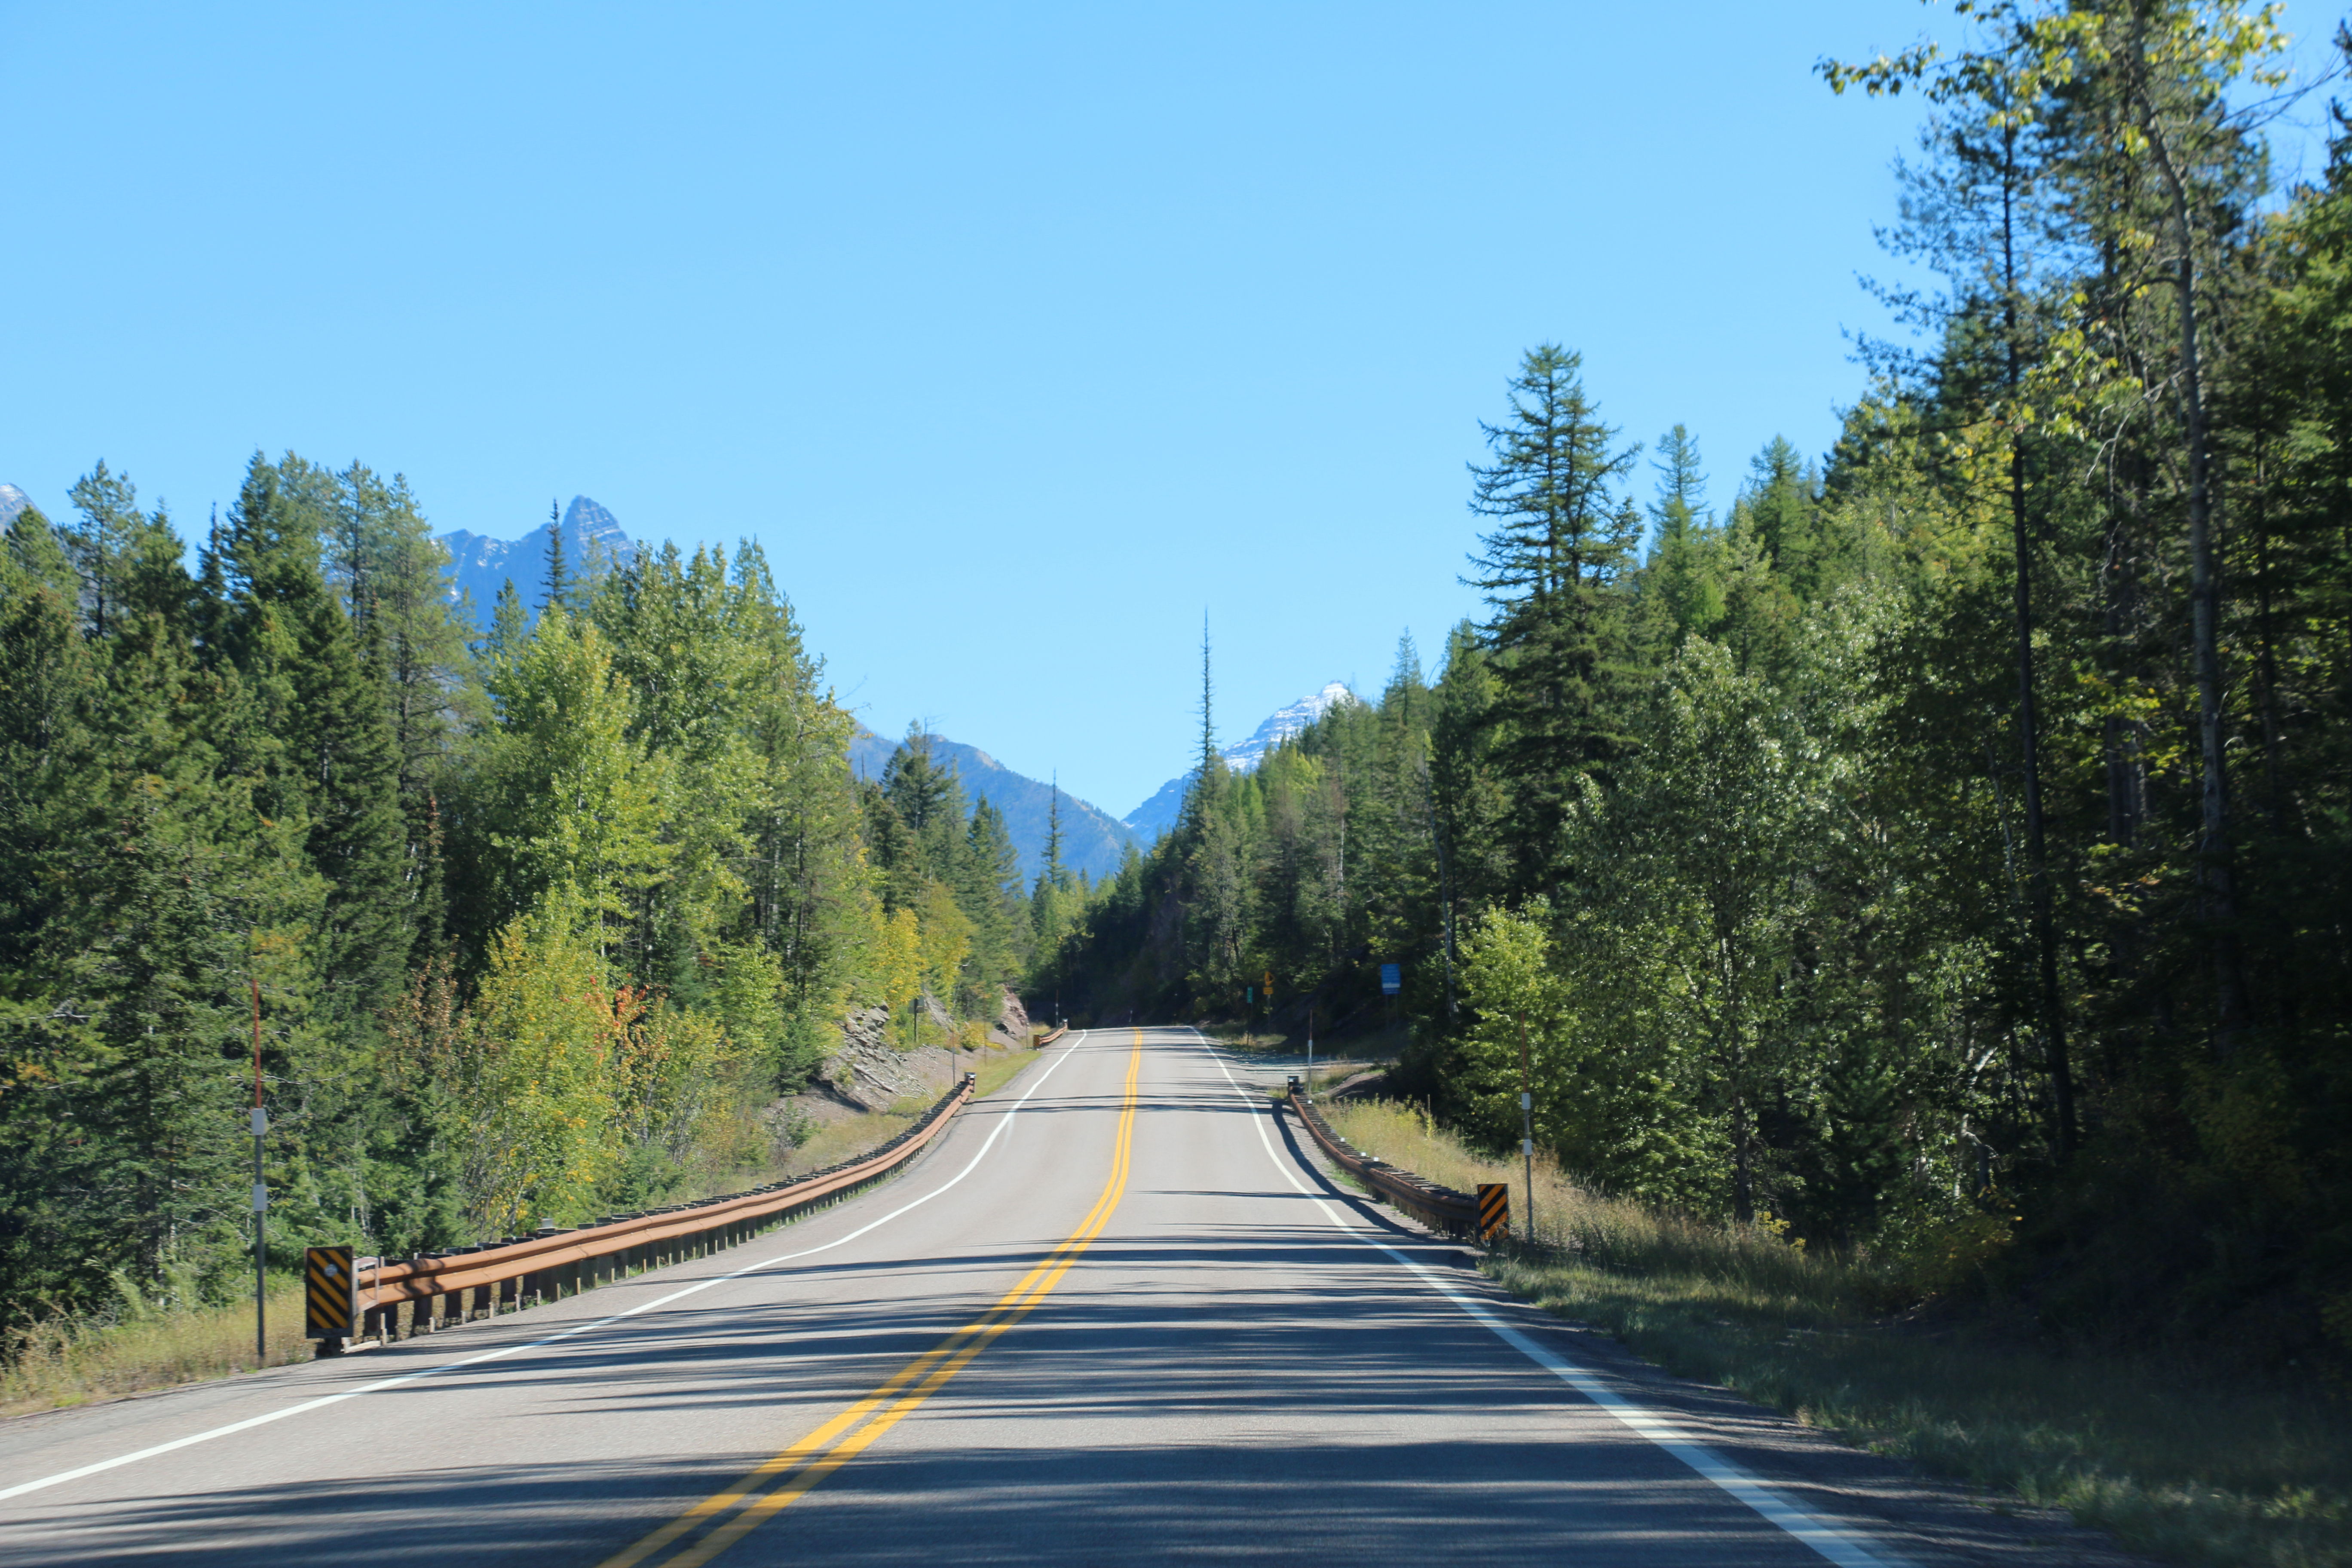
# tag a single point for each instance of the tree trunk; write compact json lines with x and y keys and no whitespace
{"x":2214,"y":849}
{"x":2053,"y":1017}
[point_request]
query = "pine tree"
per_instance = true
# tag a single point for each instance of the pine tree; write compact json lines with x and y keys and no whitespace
{"x":1550,"y":570}
{"x":1209,"y":771}
{"x":987,"y":889}
{"x":1682,"y":582}
{"x":323,"y":704}
{"x":1048,"y":901}
{"x":928,"y":798}
{"x":559,"y":577}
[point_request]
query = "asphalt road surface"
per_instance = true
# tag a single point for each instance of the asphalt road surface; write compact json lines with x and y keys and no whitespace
{"x":1116,"y":1314}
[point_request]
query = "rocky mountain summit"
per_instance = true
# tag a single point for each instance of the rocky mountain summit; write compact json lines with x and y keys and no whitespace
{"x":1093,"y":840}
{"x":1158,"y":814}
{"x":480,"y":566}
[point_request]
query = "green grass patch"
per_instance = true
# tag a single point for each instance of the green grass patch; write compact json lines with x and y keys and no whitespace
{"x":2176,"y":1461}
{"x":998,"y":1069}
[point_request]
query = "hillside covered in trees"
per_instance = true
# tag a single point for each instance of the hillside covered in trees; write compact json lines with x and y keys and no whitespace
{"x":536,"y":926}
{"x":1944,"y":850}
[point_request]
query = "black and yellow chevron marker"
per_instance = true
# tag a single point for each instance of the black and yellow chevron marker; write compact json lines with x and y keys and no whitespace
{"x":331,"y":1292}
{"x":1494,"y":1210}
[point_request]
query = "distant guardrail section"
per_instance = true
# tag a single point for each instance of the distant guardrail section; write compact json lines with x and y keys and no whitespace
{"x":443,"y":1289}
{"x":1442,"y":1208}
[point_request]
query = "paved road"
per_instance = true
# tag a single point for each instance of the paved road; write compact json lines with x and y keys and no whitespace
{"x":1116,"y":1315}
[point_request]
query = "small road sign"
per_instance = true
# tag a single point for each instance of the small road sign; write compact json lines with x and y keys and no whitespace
{"x":1494,"y":1211}
{"x":331,"y":1296}
{"x":1391,"y":979}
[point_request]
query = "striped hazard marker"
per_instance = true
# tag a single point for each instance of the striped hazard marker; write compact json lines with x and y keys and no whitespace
{"x":1494,"y":1211}
{"x":331,"y":1296}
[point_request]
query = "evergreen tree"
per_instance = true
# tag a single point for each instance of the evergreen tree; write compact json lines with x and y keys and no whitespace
{"x":559,"y":575}
{"x":322,"y":732}
{"x":1682,"y":582}
{"x":1550,"y":570}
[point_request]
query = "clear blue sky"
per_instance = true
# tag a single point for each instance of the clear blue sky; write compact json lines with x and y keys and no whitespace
{"x":1018,"y":335}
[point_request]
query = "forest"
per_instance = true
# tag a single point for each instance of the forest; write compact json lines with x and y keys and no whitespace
{"x":534,"y":925}
{"x":1941,"y":853}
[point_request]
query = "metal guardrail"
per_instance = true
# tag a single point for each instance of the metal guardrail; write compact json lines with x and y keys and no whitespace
{"x":450,"y":1287}
{"x":1443,"y":1210}
{"x":1050,"y":1036}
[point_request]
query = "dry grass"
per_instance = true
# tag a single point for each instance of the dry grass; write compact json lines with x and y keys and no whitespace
{"x":2177,"y":1462}
{"x":63,"y":1363}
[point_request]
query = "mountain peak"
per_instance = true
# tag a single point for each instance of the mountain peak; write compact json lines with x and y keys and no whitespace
{"x":1092,"y":839}
{"x":480,"y":565}
{"x":12,"y":501}
{"x":1158,"y":814}
{"x":1245,"y":755}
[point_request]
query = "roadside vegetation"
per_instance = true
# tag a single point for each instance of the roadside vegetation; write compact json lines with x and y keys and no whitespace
{"x":143,"y":1342}
{"x":1935,"y":851}
{"x":147,"y":1340}
{"x":540,"y":922}
{"x":2175,"y":1460}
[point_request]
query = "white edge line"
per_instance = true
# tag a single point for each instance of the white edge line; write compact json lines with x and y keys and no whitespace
{"x":1836,"y":1544}
{"x":21,"y":1487}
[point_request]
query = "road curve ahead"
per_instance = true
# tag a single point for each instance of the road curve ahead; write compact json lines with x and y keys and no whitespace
{"x":1114,"y":1315}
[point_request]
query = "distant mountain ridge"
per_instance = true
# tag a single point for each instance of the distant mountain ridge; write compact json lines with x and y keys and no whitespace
{"x":1093,"y":840}
{"x":12,"y":501}
{"x":480,"y":566}
{"x":1158,"y":814}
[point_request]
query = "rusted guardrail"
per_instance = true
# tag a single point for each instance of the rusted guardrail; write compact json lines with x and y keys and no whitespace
{"x":1455,"y":1214}
{"x":1050,"y":1036}
{"x":447,"y":1288}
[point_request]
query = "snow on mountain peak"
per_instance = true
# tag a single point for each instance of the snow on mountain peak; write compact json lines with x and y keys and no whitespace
{"x":1243,"y":757}
{"x":1158,"y":814}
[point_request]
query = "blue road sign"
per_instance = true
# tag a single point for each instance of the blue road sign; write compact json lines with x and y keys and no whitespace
{"x":1391,"y":979}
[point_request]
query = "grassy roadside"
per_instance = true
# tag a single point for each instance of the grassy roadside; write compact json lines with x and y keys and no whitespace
{"x":59,"y":1363}
{"x":998,"y":1069}
{"x":2175,"y":1462}
{"x":1332,"y":1068}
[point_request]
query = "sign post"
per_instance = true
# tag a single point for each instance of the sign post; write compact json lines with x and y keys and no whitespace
{"x":1528,"y":1124}
{"x":260,"y":1196}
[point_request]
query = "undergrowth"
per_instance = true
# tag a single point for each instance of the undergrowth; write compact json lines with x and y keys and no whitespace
{"x":2172,"y":1458}
{"x":144,"y":1343}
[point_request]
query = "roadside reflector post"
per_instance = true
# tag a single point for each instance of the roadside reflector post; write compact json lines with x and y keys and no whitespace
{"x":1494,"y":1212}
{"x":330,"y":1297}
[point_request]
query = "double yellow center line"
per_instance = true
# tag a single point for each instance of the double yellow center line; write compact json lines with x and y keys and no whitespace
{"x":799,"y":1469}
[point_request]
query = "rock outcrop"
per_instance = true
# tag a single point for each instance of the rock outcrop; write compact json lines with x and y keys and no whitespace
{"x":1011,"y":1017}
{"x":867,"y":1072}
